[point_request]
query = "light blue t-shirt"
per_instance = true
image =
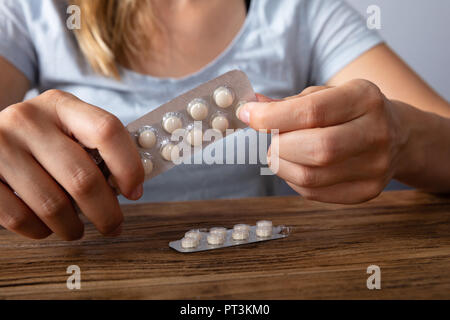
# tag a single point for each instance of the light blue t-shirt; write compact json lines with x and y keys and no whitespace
{"x":283,"y":47}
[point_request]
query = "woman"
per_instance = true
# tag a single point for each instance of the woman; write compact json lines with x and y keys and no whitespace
{"x":341,"y":140}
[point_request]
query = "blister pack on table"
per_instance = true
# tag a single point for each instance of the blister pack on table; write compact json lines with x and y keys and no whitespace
{"x":218,"y":237}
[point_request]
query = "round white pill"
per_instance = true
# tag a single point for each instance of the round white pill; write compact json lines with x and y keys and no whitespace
{"x":220,"y":123}
{"x":223,"y":97}
{"x":170,"y":152}
{"x":264,"y":232}
{"x":148,"y":165}
{"x":219,"y":231}
{"x":195,"y":137}
{"x":172,"y":123}
{"x":147,"y":139}
{"x":264,"y":223}
{"x":241,"y":227}
{"x":189,"y":243}
{"x":240,"y":234}
{"x":198,"y":110}
{"x":194,"y":234}
{"x":215,"y":239}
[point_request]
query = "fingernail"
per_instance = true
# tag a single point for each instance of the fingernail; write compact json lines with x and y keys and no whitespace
{"x":137,"y":193}
{"x":112,"y":182}
{"x":244,"y":115}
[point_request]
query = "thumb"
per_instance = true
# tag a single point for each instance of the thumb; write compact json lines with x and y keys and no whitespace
{"x":244,"y":115}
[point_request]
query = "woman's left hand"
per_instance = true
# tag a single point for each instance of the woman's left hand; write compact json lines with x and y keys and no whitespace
{"x":335,"y":144}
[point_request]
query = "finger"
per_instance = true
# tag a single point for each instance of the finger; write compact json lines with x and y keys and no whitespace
{"x":358,"y":168}
{"x":41,"y":194}
{"x":262,"y":98}
{"x":97,"y":129}
{"x":17,"y":217}
{"x":343,"y":193}
{"x":309,"y":90}
{"x":323,"y":146}
{"x":75,"y":171}
{"x":324,"y":108}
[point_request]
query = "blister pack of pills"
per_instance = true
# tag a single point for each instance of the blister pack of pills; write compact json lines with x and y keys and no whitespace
{"x":215,"y":238}
{"x":179,"y":128}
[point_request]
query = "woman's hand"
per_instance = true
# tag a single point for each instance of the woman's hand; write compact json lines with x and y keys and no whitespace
{"x":40,"y":163}
{"x":339,"y":144}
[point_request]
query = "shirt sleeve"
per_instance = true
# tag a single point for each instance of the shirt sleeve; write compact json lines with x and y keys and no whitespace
{"x":16,"y":45}
{"x":338,"y":35}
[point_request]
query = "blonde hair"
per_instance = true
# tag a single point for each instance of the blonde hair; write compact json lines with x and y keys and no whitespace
{"x":113,"y":32}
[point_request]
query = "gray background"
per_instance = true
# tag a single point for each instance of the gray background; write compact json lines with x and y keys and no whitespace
{"x":419,"y":31}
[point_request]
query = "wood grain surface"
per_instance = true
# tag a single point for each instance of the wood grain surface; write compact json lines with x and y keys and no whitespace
{"x":407,"y":234}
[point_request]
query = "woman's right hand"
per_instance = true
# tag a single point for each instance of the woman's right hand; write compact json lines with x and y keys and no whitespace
{"x":40,"y":163}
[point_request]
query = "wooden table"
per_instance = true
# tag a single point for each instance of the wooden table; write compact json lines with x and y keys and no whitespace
{"x":407,"y":234}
